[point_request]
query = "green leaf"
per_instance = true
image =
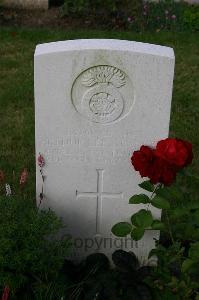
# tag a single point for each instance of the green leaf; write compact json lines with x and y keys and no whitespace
{"x":194,"y":251}
{"x":142,"y":218}
{"x":160,"y":202}
{"x":195,"y":217}
{"x":187,"y":264}
{"x":121,"y":229}
{"x":147,"y":185}
{"x":136,"y":199}
{"x":179,"y":212}
{"x":170,"y":193}
{"x":164,"y":193}
{"x":137,"y":233}
{"x":157,"y":225}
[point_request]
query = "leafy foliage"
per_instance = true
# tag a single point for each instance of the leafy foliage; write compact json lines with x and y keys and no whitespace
{"x":107,"y":7}
{"x":160,"y":202}
{"x":122,"y":229}
{"x":135,"y":14}
{"x":30,"y":255}
{"x":137,"y":199}
{"x":147,"y":186}
{"x":143,"y":218}
{"x":166,"y":15}
{"x":95,"y":279}
{"x":191,"y":17}
{"x":191,"y":263}
{"x":176,"y":276}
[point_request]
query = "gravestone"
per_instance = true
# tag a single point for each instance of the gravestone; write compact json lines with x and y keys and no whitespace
{"x":96,"y":101}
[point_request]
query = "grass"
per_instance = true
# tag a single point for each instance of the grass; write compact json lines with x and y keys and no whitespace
{"x":17,"y":96}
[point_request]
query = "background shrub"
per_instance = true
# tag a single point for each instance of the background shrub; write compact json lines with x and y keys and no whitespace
{"x":136,"y":14}
{"x":99,"y":7}
{"x":191,"y":17}
{"x":30,"y":255}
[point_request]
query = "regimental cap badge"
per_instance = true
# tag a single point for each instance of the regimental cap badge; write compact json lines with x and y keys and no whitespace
{"x":104,"y":74}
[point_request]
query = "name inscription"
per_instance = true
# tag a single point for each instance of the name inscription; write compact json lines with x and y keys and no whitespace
{"x":87,"y":148}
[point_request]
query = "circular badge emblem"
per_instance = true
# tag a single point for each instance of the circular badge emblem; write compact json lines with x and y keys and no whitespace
{"x":98,"y":94}
{"x":102,"y":104}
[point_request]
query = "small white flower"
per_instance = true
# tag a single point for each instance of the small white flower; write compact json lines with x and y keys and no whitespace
{"x":8,"y":190}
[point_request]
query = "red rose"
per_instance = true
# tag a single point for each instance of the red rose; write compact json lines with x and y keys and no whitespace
{"x":142,"y":160}
{"x":175,"y":151}
{"x":162,"y":164}
{"x":162,"y":172}
{"x":189,"y":151}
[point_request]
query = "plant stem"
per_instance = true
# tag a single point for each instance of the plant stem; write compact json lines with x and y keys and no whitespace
{"x":155,"y":189}
{"x":151,"y":197}
{"x":169,"y":227}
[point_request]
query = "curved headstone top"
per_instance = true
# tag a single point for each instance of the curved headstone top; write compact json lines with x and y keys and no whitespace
{"x":104,"y":44}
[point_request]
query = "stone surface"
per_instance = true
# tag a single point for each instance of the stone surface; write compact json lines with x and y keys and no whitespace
{"x":96,"y":101}
{"x":32,"y":4}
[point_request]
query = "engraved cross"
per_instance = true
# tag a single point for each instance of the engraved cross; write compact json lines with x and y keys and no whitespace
{"x":100,"y":194}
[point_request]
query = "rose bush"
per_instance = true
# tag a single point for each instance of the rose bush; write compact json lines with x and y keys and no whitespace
{"x":177,"y":251}
{"x":161,"y":165}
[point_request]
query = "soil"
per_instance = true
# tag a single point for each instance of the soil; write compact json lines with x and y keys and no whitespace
{"x":53,"y":18}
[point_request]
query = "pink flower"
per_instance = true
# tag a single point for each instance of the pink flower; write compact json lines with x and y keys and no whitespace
{"x":130,"y":19}
{"x":41,"y":161}
{"x":6,"y":292}
{"x":173,"y":17}
{"x":145,"y":6}
{"x":23,"y":177}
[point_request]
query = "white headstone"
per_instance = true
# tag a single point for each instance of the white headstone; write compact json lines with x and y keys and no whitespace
{"x":96,"y":102}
